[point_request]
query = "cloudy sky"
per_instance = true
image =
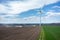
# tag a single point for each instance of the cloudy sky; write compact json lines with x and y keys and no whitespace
{"x":27,"y":11}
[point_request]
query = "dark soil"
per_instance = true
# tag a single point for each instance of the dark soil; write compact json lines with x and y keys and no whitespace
{"x":17,"y":33}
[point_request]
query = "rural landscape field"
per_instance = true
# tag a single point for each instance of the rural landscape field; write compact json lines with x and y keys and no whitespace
{"x":29,"y":19}
{"x":14,"y":32}
{"x":30,"y":32}
{"x":50,"y":32}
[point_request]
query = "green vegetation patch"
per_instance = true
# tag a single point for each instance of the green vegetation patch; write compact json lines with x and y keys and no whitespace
{"x":41,"y":34}
{"x":52,"y":32}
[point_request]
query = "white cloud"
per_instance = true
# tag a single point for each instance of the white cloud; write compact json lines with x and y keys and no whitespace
{"x":11,"y":8}
{"x":2,"y":9}
{"x":56,"y":7}
{"x":16,"y":7}
{"x":31,"y":19}
{"x":50,"y":17}
{"x":51,"y":14}
{"x":49,"y":1}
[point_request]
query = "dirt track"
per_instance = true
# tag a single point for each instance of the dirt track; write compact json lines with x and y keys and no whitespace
{"x":25,"y":33}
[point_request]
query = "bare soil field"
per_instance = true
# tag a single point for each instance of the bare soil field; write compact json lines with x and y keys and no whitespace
{"x":17,"y":33}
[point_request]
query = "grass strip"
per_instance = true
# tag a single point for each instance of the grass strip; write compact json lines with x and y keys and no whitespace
{"x":41,"y":34}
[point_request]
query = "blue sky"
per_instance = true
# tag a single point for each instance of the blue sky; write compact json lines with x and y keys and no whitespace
{"x":27,"y":11}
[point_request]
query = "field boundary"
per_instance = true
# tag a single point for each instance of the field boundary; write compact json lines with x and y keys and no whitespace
{"x":42,"y":35}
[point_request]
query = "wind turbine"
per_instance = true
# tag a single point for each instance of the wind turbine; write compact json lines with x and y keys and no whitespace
{"x":40,"y":12}
{"x":40,"y":17}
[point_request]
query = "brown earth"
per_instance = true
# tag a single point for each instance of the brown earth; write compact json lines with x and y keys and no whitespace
{"x":17,"y":33}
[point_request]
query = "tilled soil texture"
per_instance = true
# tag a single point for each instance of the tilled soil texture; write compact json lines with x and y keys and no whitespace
{"x":17,"y":33}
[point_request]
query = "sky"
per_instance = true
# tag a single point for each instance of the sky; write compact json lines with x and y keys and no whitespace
{"x":28,"y":11}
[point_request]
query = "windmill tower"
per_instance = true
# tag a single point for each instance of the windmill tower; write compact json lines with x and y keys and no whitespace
{"x":40,"y":16}
{"x":40,"y":12}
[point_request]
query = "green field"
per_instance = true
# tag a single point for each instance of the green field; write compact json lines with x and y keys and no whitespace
{"x":50,"y":32}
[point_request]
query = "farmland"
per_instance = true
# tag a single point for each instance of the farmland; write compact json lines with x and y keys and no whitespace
{"x":30,"y":32}
{"x":19,"y":33}
{"x":51,"y":32}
